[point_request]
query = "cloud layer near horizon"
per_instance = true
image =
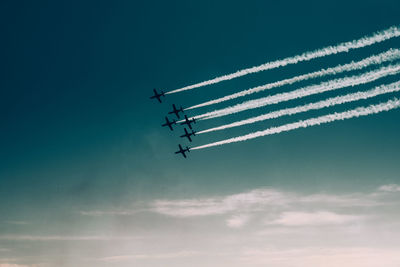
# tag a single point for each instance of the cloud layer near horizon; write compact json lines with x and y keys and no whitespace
{"x":299,"y":227}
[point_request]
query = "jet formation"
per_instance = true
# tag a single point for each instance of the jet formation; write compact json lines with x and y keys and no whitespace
{"x":177,"y":112}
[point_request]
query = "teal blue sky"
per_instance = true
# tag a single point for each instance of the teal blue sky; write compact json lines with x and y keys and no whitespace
{"x":78,"y":134}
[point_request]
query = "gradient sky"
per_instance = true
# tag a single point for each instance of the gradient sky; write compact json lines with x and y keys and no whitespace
{"x":88,"y":177}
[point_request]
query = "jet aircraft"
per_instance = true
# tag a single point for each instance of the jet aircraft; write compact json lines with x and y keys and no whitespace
{"x":176,"y":111}
{"x":157,"y":95}
{"x":169,"y":123}
{"x":182,"y":151}
{"x":188,"y":122}
{"x":187,"y":134}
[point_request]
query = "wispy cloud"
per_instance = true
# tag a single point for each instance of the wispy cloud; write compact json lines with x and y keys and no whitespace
{"x":220,"y":205}
{"x":327,"y":257}
{"x":390,"y":188}
{"x":63,"y":238}
{"x":256,"y":200}
{"x":238,"y":220}
{"x":179,"y":254}
{"x":296,"y":218}
{"x":3,"y":260}
{"x":268,"y":206}
{"x":110,"y":212}
{"x":15,"y":265}
{"x":17,"y":222}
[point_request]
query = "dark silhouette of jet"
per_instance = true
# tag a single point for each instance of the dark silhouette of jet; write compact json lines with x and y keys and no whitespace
{"x":157,"y":95}
{"x":176,"y":111}
{"x":169,"y":123}
{"x":187,"y":134}
{"x":182,"y":151}
{"x":188,"y":122}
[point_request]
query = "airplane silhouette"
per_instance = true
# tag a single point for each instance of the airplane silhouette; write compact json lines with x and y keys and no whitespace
{"x":182,"y":151}
{"x":187,"y":134}
{"x":176,"y":111}
{"x":169,"y":123}
{"x":188,"y":122}
{"x":157,"y":95}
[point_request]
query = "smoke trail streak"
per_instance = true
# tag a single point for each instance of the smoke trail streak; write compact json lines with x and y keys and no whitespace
{"x":389,"y":55}
{"x":305,"y":91}
{"x":379,"y":90}
{"x":342,"y":47}
{"x":360,"y":111}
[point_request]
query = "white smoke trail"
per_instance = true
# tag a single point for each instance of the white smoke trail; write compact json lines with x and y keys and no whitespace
{"x":390,"y":55}
{"x":342,"y":47}
{"x":360,"y":111}
{"x":379,"y":90}
{"x":305,"y":91}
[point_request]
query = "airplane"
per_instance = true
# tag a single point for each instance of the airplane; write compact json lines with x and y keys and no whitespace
{"x":188,"y":122}
{"x":182,"y":151}
{"x":157,"y":95}
{"x":187,"y":134}
{"x":169,"y":123}
{"x":176,"y":111}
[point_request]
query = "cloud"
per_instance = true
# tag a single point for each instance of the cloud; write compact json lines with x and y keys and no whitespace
{"x":256,"y":200}
{"x":313,"y":218}
{"x":237,"y":221}
{"x":349,"y":200}
{"x":11,"y":262}
{"x":220,"y":205}
{"x":267,"y":206}
{"x":327,"y":257}
{"x":390,"y":188}
{"x":172,"y":255}
{"x":63,"y":238}
{"x":17,"y":222}
{"x":109,"y":212}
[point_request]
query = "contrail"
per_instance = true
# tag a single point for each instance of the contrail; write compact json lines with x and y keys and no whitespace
{"x":360,"y":111}
{"x":342,"y":47}
{"x":390,"y":55}
{"x":379,"y":90}
{"x":305,"y":91}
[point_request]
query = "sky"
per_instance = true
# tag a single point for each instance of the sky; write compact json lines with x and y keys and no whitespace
{"x":88,"y":177}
